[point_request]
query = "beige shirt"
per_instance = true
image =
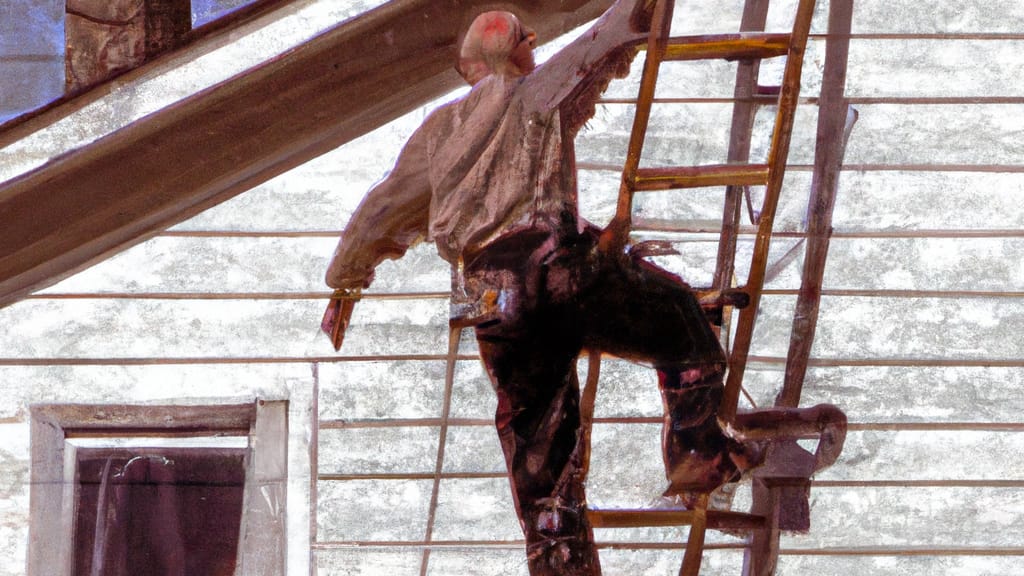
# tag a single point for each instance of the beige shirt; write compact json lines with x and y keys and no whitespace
{"x":499,"y":159}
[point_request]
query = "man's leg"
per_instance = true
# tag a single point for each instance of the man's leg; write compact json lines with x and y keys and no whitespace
{"x":698,"y":456}
{"x":530,"y":351}
{"x":538,"y":423}
{"x":638,"y":311}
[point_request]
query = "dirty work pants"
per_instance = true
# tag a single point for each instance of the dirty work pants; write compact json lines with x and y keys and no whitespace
{"x":565,"y":296}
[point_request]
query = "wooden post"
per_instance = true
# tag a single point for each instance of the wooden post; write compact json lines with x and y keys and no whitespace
{"x":835,"y":120}
{"x":106,"y":37}
{"x":262,"y":541}
{"x":761,"y":557}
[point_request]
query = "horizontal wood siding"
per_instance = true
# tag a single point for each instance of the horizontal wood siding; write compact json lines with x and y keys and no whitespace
{"x":918,"y":339}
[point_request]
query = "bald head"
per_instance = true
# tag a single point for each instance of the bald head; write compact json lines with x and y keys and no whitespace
{"x":496,"y":43}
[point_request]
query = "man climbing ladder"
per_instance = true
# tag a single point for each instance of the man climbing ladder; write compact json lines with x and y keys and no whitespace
{"x":490,"y":179}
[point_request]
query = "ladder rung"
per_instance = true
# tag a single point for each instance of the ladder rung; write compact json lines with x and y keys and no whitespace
{"x":651,"y":179}
{"x":727,"y":46}
{"x":641,"y":517}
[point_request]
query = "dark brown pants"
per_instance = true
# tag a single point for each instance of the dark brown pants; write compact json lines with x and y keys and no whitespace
{"x":566,"y":297}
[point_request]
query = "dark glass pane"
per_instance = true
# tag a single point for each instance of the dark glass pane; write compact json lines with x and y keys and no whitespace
{"x":204,"y":11}
{"x":159,"y":512}
{"x":31,"y":54}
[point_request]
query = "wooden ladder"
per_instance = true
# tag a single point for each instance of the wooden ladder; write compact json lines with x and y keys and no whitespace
{"x":738,"y":174}
{"x":749,"y":47}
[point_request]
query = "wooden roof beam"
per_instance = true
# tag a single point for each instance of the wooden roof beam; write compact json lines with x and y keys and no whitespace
{"x":166,"y":167}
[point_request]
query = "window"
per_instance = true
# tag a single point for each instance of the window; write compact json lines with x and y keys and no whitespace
{"x":167,"y":490}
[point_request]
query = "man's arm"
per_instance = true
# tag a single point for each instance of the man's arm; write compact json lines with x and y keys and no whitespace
{"x":393,"y":216}
{"x":578,"y":73}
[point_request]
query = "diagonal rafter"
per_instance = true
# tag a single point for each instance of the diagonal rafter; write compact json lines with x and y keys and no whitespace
{"x":168,"y":166}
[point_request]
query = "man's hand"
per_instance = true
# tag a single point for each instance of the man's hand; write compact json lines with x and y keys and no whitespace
{"x":339,"y":313}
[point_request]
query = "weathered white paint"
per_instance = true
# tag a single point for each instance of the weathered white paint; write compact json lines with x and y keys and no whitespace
{"x":72,"y":342}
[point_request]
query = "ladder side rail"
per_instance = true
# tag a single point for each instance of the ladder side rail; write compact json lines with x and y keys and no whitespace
{"x":588,"y":399}
{"x":779,"y":151}
{"x":755,"y":15}
{"x":835,"y":120}
{"x":694,"y":554}
{"x":616,"y":235}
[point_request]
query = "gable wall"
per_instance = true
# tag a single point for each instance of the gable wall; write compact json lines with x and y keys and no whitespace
{"x":916,"y":340}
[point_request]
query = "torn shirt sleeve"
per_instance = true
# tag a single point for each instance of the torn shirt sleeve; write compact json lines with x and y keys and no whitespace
{"x":574,"y":78}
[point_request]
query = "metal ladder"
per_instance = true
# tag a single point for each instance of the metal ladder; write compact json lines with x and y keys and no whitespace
{"x":748,"y":47}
